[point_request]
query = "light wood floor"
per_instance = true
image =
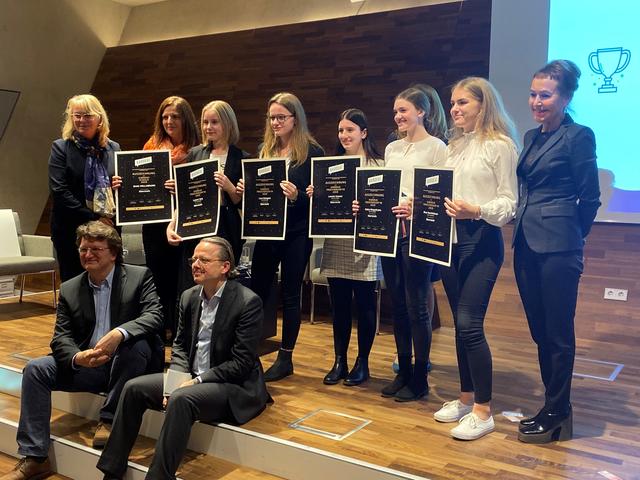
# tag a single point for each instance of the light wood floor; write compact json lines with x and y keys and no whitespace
{"x":405,"y":436}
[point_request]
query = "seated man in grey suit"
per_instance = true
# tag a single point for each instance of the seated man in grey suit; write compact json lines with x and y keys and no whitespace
{"x":219,"y":326}
{"x":106,"y":333}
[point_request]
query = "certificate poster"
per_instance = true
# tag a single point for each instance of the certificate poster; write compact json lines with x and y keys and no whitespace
{"x":334,"y":190}
{"x":198,"y":199}
{"x":377,"y":191}
{"x":431,"y":228}
{"x":264,"y":206}
{"x":142,"y":197}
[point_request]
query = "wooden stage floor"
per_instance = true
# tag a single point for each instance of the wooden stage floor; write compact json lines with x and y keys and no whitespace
{"x":404,"y":436}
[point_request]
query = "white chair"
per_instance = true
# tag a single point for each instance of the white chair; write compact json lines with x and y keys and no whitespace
{"x":36,"y":256}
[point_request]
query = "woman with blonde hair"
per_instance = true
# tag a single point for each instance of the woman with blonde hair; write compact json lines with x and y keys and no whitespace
{"x":80,"y":166}
{"x":220,"y":133}
{"x":482,"y":150}
{"x":286,"y":135}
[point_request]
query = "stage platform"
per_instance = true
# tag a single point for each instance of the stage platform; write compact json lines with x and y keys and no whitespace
{"x":353,"y":432}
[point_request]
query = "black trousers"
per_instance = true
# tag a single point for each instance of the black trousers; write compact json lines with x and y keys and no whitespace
{"x":207,"y":402}
{"x":475,"y":265}
{"x":292,"y":254}
{"x":63,"y":238}
{"x":548,"y":285}
{"x":408,"y":281}
{"x":342,"y":291}
{"x":164,"y":262}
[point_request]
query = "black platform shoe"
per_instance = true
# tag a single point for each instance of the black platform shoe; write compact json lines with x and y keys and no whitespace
{"x":337,"y":372}
{"x":281,"y":368}
{"x":359,"y":373}
{"x":527,"y":422}
{"x":549,"y":427}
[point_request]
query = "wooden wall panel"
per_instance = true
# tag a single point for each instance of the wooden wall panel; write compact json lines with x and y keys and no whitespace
{"x":362,"y":61}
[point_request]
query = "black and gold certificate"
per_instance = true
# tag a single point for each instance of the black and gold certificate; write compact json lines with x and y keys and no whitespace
{"x":334,"y":189}
{"x":198,"y":199}
{"x":264,"y":205}
{"x":142,"y":197}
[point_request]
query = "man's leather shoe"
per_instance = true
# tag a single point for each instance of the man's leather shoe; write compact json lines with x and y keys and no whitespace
{"x":103,"y":430}
{"x":29,"y":469}
{"x":527,"y":422}
{"x":549,"y":427}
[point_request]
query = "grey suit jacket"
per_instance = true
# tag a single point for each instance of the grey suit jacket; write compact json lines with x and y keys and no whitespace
{"x":134,"y":307}
{"x":559,"y":193}
{"x":234,"y":358}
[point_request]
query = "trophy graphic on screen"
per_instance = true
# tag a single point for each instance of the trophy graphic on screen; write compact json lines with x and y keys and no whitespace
{"x":608,"y":62}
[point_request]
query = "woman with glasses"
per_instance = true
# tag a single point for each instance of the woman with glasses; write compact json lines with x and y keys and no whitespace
{"x":351,"y":274}
{"x":286,"y":135}
{"x":80,"y":166}
{"x":482,"y":150}
{"x":220,"y":133}
{"x":175,"y":130}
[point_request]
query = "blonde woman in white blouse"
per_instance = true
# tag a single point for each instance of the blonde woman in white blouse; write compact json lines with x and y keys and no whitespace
{"x":483,"y":152}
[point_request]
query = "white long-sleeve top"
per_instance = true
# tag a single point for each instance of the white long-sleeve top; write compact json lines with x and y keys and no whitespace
{"x":406,"y":155}
{"x":485,"y":175}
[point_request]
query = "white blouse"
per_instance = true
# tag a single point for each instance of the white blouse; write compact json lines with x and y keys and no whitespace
{"x":485,"y":175}
{"x":407,"y":155}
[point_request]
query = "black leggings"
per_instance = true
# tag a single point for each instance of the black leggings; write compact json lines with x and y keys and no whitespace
{"x":292,"y":254}
{"x":475,"y":264}
{"x":342,"y":290}
{"x":408,"y":280}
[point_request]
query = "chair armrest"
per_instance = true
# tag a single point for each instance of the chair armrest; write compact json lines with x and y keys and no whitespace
{"x":37,"y":246}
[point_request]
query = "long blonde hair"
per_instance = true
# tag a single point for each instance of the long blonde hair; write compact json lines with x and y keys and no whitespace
{"x":89,"y":104}
{"x":227,"y":118}
{"x":493,"y":120}
{"x":300,"y":137}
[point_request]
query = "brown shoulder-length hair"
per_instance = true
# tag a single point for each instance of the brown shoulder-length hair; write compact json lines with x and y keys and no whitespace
{"x":300,"y":137}
{"x":190,"y":136}
{"x":89,"y":104}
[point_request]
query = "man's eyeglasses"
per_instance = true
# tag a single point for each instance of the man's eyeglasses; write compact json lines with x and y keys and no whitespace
{"x":83,"y":116}
{"x":203,"y":261}
{"x":94,"y":250}
{"x":279,"y":118}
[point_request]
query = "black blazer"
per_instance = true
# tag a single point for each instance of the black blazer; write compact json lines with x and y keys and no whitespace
{"x":300,"y":176}
{"x":234,"y":345}
{"x":134,"y":307}
{"x":66,"y":183}
{"x":559,"y":193}
{"x":230,"y":222}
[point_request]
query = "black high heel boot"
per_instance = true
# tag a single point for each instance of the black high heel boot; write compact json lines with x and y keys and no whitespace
{"x":417,"y":386}
{"x":359,"y":373}
{"x":281,"y":368}
{"x":549,"y":427}
{"x":337,"y":372}
{"x":405,"y":371}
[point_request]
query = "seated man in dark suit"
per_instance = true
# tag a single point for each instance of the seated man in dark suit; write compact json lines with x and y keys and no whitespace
{"x":219,"y":326}
{"x":106,"y":333}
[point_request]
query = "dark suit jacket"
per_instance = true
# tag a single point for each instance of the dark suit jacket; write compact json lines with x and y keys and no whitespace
{"x":134,"y":307}
{"x":559,"y":190}
{"x":66,"y":184}
{"x":229,"y":226}
{"x":234,"y":346}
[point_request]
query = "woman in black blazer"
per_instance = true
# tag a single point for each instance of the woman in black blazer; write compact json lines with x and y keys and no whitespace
{"x":220,"y":133}
{"x":286,"y":135}
{"x":559,"y":198}
{"x":80,"y":166}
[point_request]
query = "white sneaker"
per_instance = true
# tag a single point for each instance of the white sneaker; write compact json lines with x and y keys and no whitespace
{"x":472,"y":427}
{"x":452,"y":411}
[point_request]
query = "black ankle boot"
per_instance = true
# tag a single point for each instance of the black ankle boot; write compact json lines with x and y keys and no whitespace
{"x":337,"y":372}
{"x":417,"y":387}
{"x":402,"y":378}
{"x":359,"y":373}
{"x":281,"y":368}
{"x":549,"y":427}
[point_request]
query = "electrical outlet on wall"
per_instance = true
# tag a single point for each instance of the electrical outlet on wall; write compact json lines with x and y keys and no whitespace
{"x":619,"y":294}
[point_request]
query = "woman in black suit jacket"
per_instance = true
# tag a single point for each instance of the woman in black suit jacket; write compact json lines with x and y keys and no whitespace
{"x":559,"y":198}
{"x":80,"y":166}
{"x":286,"y":135}
{"x":220,"y":133}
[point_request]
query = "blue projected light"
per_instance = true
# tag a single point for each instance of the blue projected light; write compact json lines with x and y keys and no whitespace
{"x":603,"y":40}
